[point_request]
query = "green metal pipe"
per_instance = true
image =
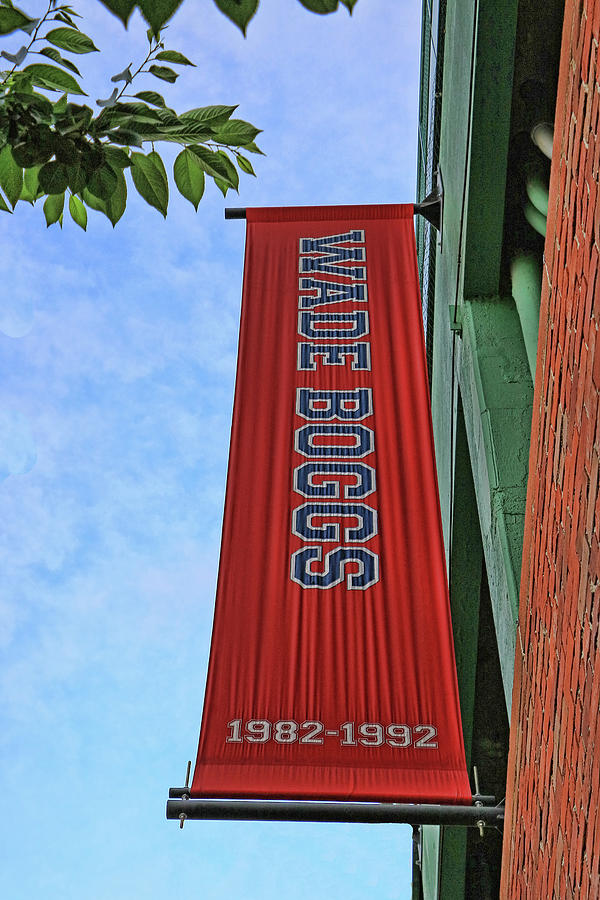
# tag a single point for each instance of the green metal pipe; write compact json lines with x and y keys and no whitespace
{"x":535,"y":218}
{"x":537,"y":191}
{"x":526,"y":276}
{"x":542,"y":136}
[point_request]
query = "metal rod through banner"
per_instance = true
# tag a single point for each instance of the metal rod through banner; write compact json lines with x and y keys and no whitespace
{"x":321,"y":811}
{"x":430,"y":208}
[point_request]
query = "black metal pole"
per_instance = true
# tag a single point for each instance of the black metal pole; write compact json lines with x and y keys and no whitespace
{"x":319,"y":811}
{"x":429,"y":208}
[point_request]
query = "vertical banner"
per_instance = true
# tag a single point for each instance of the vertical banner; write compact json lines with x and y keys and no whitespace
{"x":331,"y":672}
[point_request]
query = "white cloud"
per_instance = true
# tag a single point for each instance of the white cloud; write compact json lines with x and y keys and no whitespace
{"x":117,"y":365}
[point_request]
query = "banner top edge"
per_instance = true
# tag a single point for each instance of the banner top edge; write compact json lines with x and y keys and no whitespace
{"x":375,"y":211}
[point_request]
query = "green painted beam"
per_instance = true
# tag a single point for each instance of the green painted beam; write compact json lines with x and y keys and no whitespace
{"x":453,"y":866}
{"x":454,"y":130}
{"x":465,"y":580}
{"x":497,"y":396}
{"x":431,"y":842}
{"x":474,"y":141}
{"x":465,"y":591}
{"x":490,"y":128}
{"x":474,"y":136}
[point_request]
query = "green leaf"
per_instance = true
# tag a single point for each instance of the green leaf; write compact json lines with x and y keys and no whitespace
{"x":139,"y":113}
{"x":51,"y":53}
{"x":232,"y":175}
{"x":66,"y":152}
{"x":115,"y":207}
{"x":75,"y":119}
{"x":53,"y":178}
{"x":185,"y":134}
{"x":26,"y":155}
{"x":12,"y":20}
{"x":117,"y":158}
{"x":245,"y":164}
{"x":121,"y":8}
{"x":236,"y":132}
{"x":21,"y":83}
{"x":71,"y":39}
{"x":65,"y":17}
{"x":211,"y":162}
{"x":53,"y":208}
{"x":53,"y":79}
{"x":103,"y":183}
{"x":222,"y":185}
{"x":349,"y":4}
{"x":11,"y":176}
{"x":125,"y":137}
{"x":157,"y":12}
{"x":320,"y":6}
{"x":174,"y":57}
{"x":60,"y":107}
{"x":71,"y":11}
{"x":78,"y":178}
{"x":209,"y":115}
{"x":31,"y":187}
{"x":3,"y":205}
{"x":151,"y":97}
{"x":94,"y":202}
{"x":164,"y":73}
{"x":189,"y":177}
{"x":239,"y":11}
{"x":78,"y":211}
{"x":252,"y":148}
{"x":37,"y":104}
{"x":150,"y":179}
{"x":91,"y":159}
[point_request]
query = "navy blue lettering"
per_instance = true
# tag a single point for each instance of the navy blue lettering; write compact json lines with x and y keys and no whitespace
{"x":334,"y":566}
{"x":352,"y":325}
{"x":304,"y":527}
{"x":334,"y":355}
{"x":362,"y":441}
{"x":322,"y":479}
{"x":327,"y":243}
{"x":319,"y":406}
{"x":330,"y":292}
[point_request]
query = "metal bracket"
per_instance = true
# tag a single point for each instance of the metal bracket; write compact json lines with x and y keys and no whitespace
{"x":455,"y":319}
{"x":432,"y":207}
{"x":185,"y":793}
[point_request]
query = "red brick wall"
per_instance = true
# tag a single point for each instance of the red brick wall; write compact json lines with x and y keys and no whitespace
{"x":552,"y":833}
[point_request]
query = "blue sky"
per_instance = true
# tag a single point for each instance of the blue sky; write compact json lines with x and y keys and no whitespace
{"x":117,"y":355}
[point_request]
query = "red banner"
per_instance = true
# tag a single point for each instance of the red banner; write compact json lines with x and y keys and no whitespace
{"x":332,"y":671}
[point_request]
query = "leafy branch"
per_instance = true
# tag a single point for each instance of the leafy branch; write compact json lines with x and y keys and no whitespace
{"x":69,"y":154}
{"x":56,"y":148}
{"x":158,"y":12}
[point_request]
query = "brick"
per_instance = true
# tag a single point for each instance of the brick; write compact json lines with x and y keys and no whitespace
{"x":553,"y":848}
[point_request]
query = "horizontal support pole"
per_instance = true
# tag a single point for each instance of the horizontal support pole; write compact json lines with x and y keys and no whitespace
{"x":430,"y":208}
{"x":320,"y":811}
